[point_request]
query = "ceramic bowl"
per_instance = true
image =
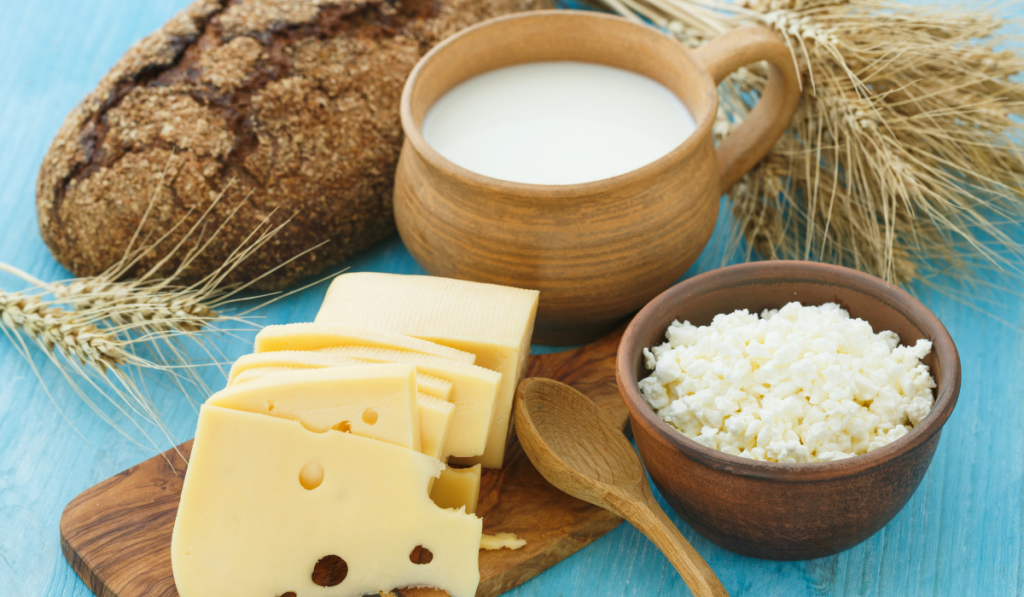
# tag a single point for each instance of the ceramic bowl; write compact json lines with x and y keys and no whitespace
{"x":767,"y":509}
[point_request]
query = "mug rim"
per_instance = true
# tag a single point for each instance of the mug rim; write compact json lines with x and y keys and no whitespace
{"x":948,"y":381}
{"x":689,"y":145}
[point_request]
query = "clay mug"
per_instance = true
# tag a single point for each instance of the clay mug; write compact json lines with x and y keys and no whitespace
{"x":596,"y":251}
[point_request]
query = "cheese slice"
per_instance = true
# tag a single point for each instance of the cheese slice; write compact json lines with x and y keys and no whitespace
{"x":474,"y":392}
{"x":501,"y":541}
{"x":247,"y":524}
{"x":280,"y":362}
{"x":435,"y":413}
{"x":457,"y":488}
{"x":299,"y":359}
{"x":376,"y":401}
{"x":436,"y":417}
{"x":494,"y":323}
{"x":311,"y":336}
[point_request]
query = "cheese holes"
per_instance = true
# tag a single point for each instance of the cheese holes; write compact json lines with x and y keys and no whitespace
{"x":421,"y":555}
{"x":370,"y":416}
{"x":289,"y":594}
{"x":330,"y":571}
{"x":311,"y":475}
{"x":343,"y":427}
{"x":312,"y":426}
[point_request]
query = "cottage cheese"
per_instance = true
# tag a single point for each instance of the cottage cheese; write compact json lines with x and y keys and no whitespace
{"x":797,"y":384}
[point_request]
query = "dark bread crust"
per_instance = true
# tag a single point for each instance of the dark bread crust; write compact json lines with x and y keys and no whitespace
{"x":287,"y":106}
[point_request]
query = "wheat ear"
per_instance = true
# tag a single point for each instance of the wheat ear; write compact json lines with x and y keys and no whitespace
{"x":902,"y":159}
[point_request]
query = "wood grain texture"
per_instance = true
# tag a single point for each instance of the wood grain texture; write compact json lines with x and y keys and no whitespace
{"x":961,"y":534}
{"x":583,"y":453}
{"x":117,"y":534}
{"x":590,"y":248}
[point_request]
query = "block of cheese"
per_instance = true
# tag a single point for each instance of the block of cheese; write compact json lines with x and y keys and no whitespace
{"x":279,"y":362}
{"x":378,"y":401}
{"x":270,"y":508}
{"x":457,"y":488}
{"x":311,"y":336}
{"x":436,"y":417}
{"x":494,"y":323}
{"x":474,"y":392}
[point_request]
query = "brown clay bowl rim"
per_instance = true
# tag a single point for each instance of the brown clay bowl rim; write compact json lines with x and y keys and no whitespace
{"x":943,"y":348}
{"x":414,"y":135}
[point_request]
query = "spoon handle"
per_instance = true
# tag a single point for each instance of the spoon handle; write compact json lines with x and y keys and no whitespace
{"x":653,"y":522}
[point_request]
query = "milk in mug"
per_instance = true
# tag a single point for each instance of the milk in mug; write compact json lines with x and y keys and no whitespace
{"x":556,"y":123}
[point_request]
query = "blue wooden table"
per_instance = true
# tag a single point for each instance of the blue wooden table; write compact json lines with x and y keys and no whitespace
{"x":961,"y":534}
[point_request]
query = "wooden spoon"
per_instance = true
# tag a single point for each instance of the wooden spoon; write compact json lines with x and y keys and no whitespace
{"x":579,"y":451}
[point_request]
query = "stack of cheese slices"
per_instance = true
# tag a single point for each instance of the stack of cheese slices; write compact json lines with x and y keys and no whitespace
{"x":328,"y":459}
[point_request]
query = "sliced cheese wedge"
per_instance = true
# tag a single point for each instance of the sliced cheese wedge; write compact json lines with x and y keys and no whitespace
{"x":261,"y":372}
{"x":494,"y":323}
{"x":457,"y":488}
{"x":474,"y":392}
{"x":435,"y":414}
{"x":298,"y":359}
{"x":267,"y":506}
{"x":378,"y":401}
{"x":436,"y":418}
{"x":311,"y":336}
{"x":280,"y":362}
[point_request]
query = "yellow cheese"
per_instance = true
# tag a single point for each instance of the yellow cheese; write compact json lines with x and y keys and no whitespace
{"x":261,"y":372}
{"x":474,"y":392}
{"x":376,"y":401}
{"x":311,"y":336}
{"x":310,"y":359}
{"x":457,"y":488}
{"x":501,"y":541}
{"x":435,"y":413}
{"x":492,"y":322}
{"x":265,"y":500}
{"x":300,"y":359}
{"x":435,"y":423}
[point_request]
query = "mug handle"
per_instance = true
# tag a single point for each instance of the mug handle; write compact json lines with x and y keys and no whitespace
{"x":756,"y":135}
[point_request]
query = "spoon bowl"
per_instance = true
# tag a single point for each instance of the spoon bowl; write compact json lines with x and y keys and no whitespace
{"x":578,"y":450}
{"x":568,"y":423}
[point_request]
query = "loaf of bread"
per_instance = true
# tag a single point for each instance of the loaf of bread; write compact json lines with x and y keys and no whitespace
{"x":267,"y":110}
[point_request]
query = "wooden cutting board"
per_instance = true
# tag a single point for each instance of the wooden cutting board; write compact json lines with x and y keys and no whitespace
{"x":117,"y":535}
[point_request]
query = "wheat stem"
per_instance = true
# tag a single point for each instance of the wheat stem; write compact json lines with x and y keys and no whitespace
{"x":902,"y":159}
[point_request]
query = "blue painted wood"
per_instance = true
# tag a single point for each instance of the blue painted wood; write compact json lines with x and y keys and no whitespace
{"x":961,"y":534}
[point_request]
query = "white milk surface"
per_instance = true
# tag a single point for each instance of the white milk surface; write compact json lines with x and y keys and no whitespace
{"x":556,"y":123}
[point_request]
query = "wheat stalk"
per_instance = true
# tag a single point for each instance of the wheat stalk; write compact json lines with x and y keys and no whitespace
{"x":95,"y":330}
{"x":64,"y":331}
{"x":83,"y":351}
{"x":902,"y":159}
{"x":132,"y":303}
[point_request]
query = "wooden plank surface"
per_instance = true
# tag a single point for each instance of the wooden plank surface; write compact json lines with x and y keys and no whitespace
{"x":961,"y":534}
{"x":117,"y":534}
